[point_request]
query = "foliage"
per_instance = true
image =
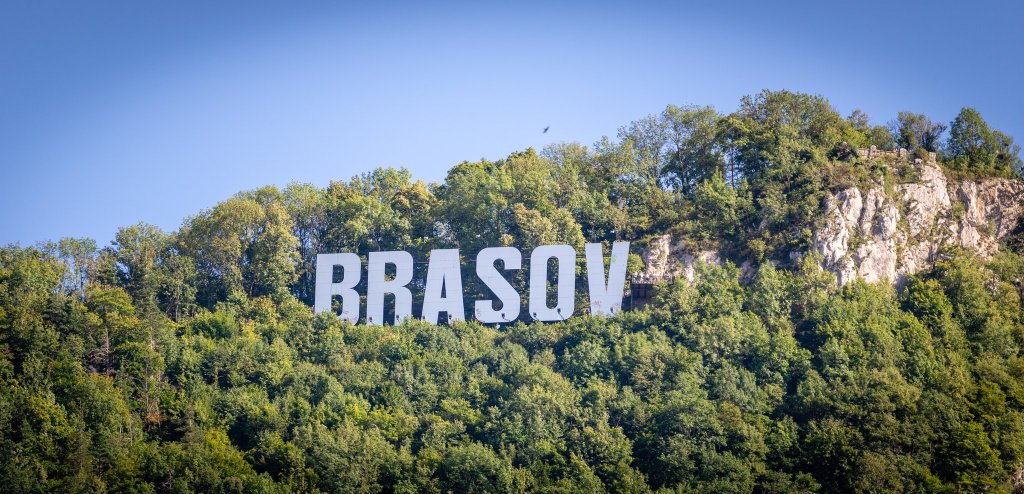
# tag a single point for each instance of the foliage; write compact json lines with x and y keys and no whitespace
{"x":974,"y":147}
{"x":916,"y":131}
{"x":191,"y":361}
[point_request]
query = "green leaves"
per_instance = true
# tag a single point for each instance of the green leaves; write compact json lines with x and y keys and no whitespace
{"x":191,"y":361}
{"x":243,"y":245}
{"x":915,"y":131}
{"x":979,"y":150}
{"x":709,"y":389}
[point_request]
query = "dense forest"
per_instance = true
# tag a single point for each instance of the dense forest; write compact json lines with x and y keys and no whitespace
{"x":191,"y":360}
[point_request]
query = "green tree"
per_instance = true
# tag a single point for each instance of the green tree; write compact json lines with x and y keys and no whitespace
{"x":137,"y":250}
{"x":915,"y":131}
{"x":242,"y":246}
{"x":971,"y":143}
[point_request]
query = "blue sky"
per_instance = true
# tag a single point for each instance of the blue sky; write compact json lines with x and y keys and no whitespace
{"x":115,"y":112}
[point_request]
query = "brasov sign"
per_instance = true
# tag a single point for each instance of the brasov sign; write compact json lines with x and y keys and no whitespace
{"x":443,"y":291}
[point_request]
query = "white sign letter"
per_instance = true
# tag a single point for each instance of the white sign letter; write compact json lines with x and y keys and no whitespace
{"x":377,"y":286}
{"x":443,"y":271}
{"x":606,"y":299}
{"x":326,"y":288}
{"x":565,"y":306}
{"x":485,"y":270}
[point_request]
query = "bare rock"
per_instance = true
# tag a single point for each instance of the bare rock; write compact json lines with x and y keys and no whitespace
{"x":883,"y":235}
{"x":665,"y":259}
{"x":874,"y":236}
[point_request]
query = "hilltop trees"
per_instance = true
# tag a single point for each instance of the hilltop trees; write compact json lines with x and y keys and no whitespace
{"x":973,"y":146}
{"x":683,"y":145}
{"x":971,"y":141}
{"x":243,"y":246}
{"x":916,"y":131}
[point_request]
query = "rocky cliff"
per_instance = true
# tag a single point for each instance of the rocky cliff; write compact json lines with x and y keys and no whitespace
{"x":885,"y":233}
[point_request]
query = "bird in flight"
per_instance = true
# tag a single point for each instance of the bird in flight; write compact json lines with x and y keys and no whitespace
{"x":546,"y":129}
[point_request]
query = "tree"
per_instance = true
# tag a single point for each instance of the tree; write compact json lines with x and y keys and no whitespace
{"x":717,"y":209}
{"x":971,"y":143}
{"x":973,"y":464}
{"x":780,"y":128}
{"x":137,"y":250}
{"x":915,"y":131}
{"x":475,"y":468}
{"x":1007,"y":153}
{"x":871,"y":135}
{"x":307,"y":206}
{"x":474,"y":204}
{"x":243,"y":245}
{"x":681,"y":145}
{"x":77,"y":254}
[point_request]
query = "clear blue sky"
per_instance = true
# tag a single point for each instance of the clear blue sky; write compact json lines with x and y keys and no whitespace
{"x":117,"y":112}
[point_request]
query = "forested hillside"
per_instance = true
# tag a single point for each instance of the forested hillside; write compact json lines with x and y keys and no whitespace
{"x":191,"y":360}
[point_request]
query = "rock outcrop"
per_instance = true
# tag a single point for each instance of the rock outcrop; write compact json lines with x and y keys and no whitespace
{"x":887,"y":233}
{"x":665,"y":259}
{"x":879,"y":236}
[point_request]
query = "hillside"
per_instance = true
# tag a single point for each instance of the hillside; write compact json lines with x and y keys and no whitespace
{"x":829,"y":312}
{"x":884,"y":232}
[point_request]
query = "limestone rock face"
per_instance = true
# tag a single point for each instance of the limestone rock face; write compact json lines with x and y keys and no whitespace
{"x":665,"y":260}
{"x":879,"y":236}
{"x":885,"y":236}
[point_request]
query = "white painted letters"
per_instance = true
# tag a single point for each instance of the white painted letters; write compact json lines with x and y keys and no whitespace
{"x":326,"y":289}
{"x":443,"y":271}
{"x":443,"y":291}
{"x":606,"y":298}
{"x":566,"y":291}
{"x":488,"y":273}
{"x":377,"y":285}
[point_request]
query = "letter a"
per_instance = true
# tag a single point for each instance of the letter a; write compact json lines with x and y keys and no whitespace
{"x":443,"y":271}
